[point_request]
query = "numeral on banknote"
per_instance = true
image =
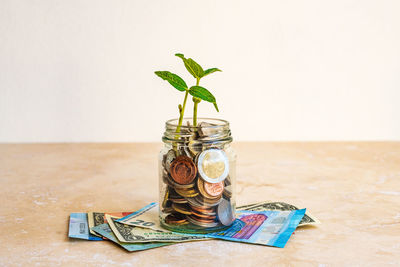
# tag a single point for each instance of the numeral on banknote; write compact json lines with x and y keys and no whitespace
{"x":142,"y":223}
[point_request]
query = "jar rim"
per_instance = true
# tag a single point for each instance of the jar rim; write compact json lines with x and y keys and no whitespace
{"x":215,"y":123}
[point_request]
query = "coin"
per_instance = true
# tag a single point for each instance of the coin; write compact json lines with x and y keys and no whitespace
{"x":176,"y":218}
{"x":202,"y":215}
{"x":179,"y":200}
{"x":204,"y":210}
{"x":225,"y":213}
{"x":207,"y":202}
{"x":213,"y":165}
{"x":193,"y":202}
{"x":168,"y":180}
{"x":227,"y":181}
{"x":182,"y":208}
{"x":200,"y":187}
{"x":206,"y":129}
{"x":183,"y":171}
{"x":214,"y":189}
{"x":197,"y":222}
{"x":227,"y":192}
{"x":167,"y":210}
{"x":187,"y":192}
{"x":170,"y":156}
{"x":166,"y":195}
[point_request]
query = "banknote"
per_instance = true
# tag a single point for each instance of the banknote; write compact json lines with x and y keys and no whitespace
{"x":97,"y":218}
{"x":79,"y":227}
{"x":132,"y":234}
{"x":146,"y":217}
{"x":308,"y":219}
{"x":105,"y":231}
{"x":270,"y":228}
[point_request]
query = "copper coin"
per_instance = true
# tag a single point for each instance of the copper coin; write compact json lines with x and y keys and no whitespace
{"x":200,"y":186}
{"x":205,"y":216}
{"x":215,"y":189}
{"x":183,"y":170}
{"x":207,"y":211}
{"x":175,"y":219}
{"x":201,"y":219}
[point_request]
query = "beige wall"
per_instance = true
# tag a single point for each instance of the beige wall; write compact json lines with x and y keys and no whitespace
{"x":293,"y":70}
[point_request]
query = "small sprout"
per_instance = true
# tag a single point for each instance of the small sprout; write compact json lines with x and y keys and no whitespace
{"x":199,"y":93}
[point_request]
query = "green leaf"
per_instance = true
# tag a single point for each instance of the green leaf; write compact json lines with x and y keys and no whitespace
{"x":192,"y":66}
{"x":202,"y":93}
{"x":195,"y":68}
{"x":209,"y":71}
{"x":173,"y":79}
{"x":216,"y":107}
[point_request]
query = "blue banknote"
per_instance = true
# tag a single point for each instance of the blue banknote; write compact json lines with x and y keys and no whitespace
{"x":79,"y":227}
{"x":270,"y":228}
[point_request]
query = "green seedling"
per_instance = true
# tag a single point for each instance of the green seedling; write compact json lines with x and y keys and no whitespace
{"x":197,"y":92}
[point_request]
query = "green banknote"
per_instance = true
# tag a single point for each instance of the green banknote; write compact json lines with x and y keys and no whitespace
{"x":132,"y":234}
{"x":308,"y":219}
{"x":105,"y":231}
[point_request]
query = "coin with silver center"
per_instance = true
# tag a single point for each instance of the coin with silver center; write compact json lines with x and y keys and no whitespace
{"x":213,"y":165}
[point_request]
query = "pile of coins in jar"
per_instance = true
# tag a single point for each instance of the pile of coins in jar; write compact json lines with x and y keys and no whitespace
{"x":198,"y":188}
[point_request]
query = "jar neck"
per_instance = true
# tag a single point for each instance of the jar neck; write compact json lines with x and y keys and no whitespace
{"x":208,"y":130}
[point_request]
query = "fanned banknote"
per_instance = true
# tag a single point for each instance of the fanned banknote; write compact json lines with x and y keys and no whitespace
{"x":131,"y":234}
{"x":105,"y":231}
{"x":79,"y":227}
{"x":270,"y":228}
{"x":97,"y":218}
{"x":308,"y":219}
{"x":144,"y":218}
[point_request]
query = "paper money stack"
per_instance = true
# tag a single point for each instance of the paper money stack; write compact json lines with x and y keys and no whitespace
{"x":266,"y":223}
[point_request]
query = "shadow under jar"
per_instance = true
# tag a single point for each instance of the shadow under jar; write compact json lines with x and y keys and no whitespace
{"x":197,"y":173}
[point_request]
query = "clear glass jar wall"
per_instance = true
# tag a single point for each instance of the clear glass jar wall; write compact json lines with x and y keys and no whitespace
{"x":197,"y":175}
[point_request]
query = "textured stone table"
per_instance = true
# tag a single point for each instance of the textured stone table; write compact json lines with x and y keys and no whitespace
{"x":353,"y":188}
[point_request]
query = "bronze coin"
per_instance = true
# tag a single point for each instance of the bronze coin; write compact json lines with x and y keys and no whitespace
{"x":183,"y":170}
{"x":201,"y":219}
{"x":200,"y":186}
{"x":204,"y":216}
{"x":175,"y":219}
{"x":215,"y":189}
{"x":204,"y":210}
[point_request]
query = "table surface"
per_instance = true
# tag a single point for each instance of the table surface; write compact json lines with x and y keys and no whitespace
{"x":353,"y":188}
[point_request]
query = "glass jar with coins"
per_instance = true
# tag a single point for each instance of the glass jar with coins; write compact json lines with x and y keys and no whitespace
{"x":197,"y":176}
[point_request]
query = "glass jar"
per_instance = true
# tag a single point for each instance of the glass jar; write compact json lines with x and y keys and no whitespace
{"x":197,"y":175}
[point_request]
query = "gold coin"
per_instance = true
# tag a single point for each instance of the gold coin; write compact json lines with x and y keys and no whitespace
{"x":182,"y":208}
{"x":187,"y":193}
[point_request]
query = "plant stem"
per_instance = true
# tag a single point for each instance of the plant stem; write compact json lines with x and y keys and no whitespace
{"x":195,"y":114}
{"x":195,"y":106}
{"x":178,"y":129}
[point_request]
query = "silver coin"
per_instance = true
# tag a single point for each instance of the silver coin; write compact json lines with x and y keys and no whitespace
{"x":206,"y":129}
{"x":203,"y":202}
{"x":202,"y":224}
{"x":225,"y":214}
{"x":213,"y":165}
{"x":227,"y":193}
{"x":193,"y":201}
{"x":171,"y":155}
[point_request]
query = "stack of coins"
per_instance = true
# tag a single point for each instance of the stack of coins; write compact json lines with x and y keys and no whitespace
{"x":197,"y":185}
